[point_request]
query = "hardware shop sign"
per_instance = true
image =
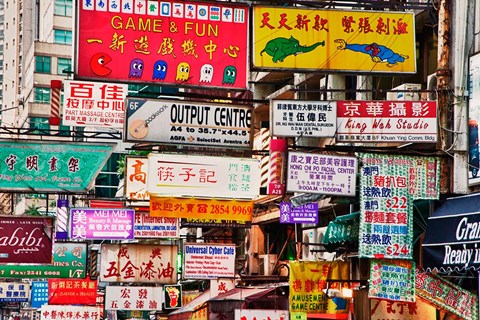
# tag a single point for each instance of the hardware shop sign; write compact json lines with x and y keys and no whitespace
{"x":26,"y":240}
{"x":133,"y":298}
{"x":69,"y":261}
{"x":188,"y":123}
{"x":14,"y":292}
{"x":321,"y":173}
{"x":101,"y":224}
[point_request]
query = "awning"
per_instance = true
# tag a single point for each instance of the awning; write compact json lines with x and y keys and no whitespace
{"x":187,"y":311}
{"x":452,"y":239}
{"x":344,"y":229}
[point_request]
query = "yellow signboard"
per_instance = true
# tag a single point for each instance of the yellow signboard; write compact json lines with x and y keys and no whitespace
{"x":312,"y":39}
{"x":201,"y":208}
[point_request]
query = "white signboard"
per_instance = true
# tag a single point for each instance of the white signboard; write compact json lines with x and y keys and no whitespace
{"x":189,"y":123}
{"x":203,"y":176}
{"x":15,"y":291}
{"x":94,"y":104}
{"x":261,"y":314}
{"x":66,"y":312}
{"x":296,"y":118}
{"x":321,"y":173}
{"x":208,"y":261}
{"x":133,"y":298}
{"x":155,"y":227}
{"x":135,"y":178}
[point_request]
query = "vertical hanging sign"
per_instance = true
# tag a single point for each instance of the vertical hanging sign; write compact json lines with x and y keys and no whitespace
{"x":55,"y":86}
{"x":276,"y":184}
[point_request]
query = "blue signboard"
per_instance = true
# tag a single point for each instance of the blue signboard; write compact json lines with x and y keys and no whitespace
{"x":306,"y":213}
{"x":39,"y":294}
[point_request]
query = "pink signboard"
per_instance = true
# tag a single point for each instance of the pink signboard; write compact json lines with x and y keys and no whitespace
{"x":387,"y":121}
{"x":180,"y":43}
{"x":26,"y":240}
{"x":101,"y":224}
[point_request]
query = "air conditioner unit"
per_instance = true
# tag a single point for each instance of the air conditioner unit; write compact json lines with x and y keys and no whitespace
{"x":405,"y":92}
{"x":309,"y":236}
{"x":323,"y":254}
{"x":267,"y":264}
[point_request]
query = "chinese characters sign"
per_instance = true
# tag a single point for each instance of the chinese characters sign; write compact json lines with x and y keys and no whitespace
{"x":68,"y":312}
{"x":96,"y":104}
{"x":245,"y":314}
{"x":136,"y":178}
{"x":203,"y":176}
{"x":188,"y":123}
{"x":26,"y":240}
{"x":321,"y":173}
{"x":388,"y":186}
{"x":50,"y":166}
{"x":306,"y":213}
{"x":296,"y":118}
{"x":39,"y":294}
{"x":69,"y":261}
{"x":101,"y":224}
{"x":387,"y":121}
{"x":138,"y":263}
{"x":446,"y":295}
{"x":133,"y":298}
{"x":147,"y":226}
{"x":163,"y":42}
{"x":392,"y":280}
{"x":72,"y":291}
{"x":214,"y":209}
{"x":14,"y":291}
{"x":207,"y":261}
{"x":308,"y":280}
{"x":297,"y":38}
{"x":390,"y":310}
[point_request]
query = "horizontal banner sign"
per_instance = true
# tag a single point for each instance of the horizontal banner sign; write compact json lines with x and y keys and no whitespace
{"x":14,"y":292}
{"x":133,"y":298}
{"x":387,"y":121}
{"x":201,"y":208}
{"x":207,"y":261}
{"x":191,"y":222}
{"x":203,"y":176}
{"x":96,"y":104}
{"x":321,"y":173}
{"x":69,"y":312}
{"x":101,"y":224}
{"x":188,"y":123}
{"x":72,"y":291}
{"x":147,"y":226}
{"x":305,"y":213}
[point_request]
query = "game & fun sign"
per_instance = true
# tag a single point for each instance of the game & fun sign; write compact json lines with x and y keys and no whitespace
{"x":101,"y":224}
{"x":386,"y":121}
{"x":188,"y":122}
{"x":306,"y":38}
{"x":389,"y":184}
{"x":96,"y":104}
{"x":321,"y":173}
{"x":209,"y":261}
{"x":163,"y":42}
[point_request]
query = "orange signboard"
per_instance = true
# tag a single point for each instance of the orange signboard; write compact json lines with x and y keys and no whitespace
{"x":201,"y":208}
{"x":299,"y":38}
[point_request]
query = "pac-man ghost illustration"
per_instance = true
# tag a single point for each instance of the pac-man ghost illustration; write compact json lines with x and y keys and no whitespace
{"x":98,"y":64}
{"x":206,"y":73}
{"x":229,"y":75}
{"x":159,"y":70}
{"x":136,"y":68}
{"x":183,"y":71}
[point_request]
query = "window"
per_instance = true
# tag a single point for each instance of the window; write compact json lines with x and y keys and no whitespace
{"x":42,"y":125}
{"x":42,"y":95}
{"x":64,"y":64}
{"x":42,"y":64}
{"x":106,"y":183}
{"x":63,"y":8}
{"x":62,"y":36}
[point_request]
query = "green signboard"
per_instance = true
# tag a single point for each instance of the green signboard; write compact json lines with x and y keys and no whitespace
{"x":69,"y":261}
{"x":42,"y":166}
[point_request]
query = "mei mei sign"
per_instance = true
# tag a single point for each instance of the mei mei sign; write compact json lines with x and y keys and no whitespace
{"x":180,"y":43}
{"x":26,"y":240}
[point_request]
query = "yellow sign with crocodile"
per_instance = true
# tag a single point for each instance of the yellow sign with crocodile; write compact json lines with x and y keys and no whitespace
{"x":313,"y":39}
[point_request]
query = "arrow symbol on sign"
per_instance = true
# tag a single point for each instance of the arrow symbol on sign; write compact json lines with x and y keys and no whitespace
{"x":120,"y":234}
{"x":304,"y":219}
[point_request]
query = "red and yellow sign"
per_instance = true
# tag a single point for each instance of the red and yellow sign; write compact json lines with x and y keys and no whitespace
{"x":294,"y":38}
{"x":201,"y":208}
{"x":163,"y":42}
{"x":72,"y":291}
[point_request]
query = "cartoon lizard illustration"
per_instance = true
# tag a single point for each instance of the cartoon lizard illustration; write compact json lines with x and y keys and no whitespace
{"x":378,"y":53}
{"x":280,"y":48}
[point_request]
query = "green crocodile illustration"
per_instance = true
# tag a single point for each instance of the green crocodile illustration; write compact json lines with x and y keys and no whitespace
{"x":280,"y":48}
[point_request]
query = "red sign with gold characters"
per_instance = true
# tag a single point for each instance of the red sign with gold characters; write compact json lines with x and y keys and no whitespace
{"x":163,"y":42}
